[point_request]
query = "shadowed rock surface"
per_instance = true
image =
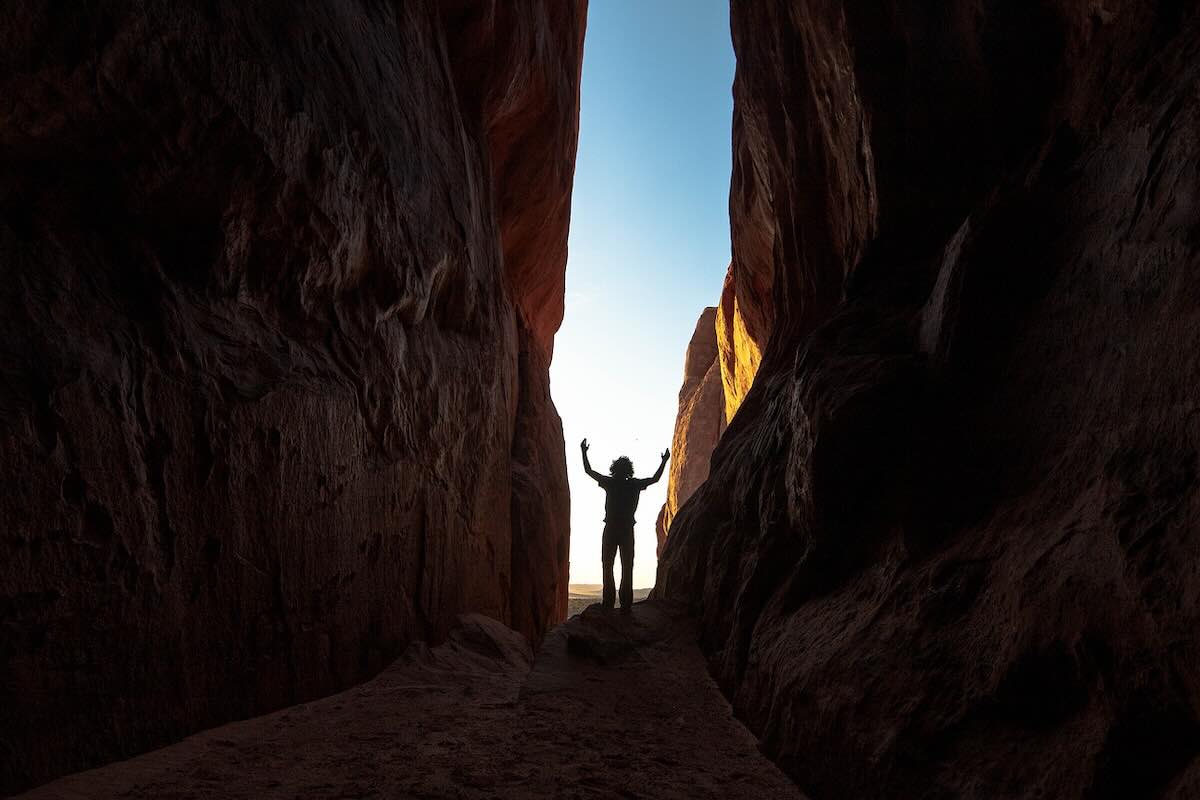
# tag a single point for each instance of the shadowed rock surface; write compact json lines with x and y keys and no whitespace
{"x":949,"y":543}
{"x":628,"y":710}
{"x":699,"y":422}
{"x":279,"y":287}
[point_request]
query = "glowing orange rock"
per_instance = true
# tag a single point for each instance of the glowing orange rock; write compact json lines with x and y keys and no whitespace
{"x":699,"y":423}
{"x":739,"y":353}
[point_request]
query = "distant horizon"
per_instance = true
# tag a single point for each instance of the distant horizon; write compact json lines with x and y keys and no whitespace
{"x":649,"y":245}
{"x":574,"y":588}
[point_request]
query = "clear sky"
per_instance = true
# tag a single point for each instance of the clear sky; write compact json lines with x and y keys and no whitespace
{"x":649,"y":244}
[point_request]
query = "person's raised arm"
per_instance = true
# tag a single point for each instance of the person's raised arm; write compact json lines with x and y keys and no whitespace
{"x":666,"y":454}
{"x":587,"y":465}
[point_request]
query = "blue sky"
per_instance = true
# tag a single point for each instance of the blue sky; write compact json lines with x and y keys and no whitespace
{"x":649,"y":244}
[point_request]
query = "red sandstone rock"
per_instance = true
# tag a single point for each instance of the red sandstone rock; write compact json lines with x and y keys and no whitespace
{"x":738,"y":351}
{"x":948,"y":545}
{"x":279,"y":289}
{"x":699,"y":422}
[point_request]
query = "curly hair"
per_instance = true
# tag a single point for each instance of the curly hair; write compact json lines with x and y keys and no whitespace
{"x":621,"y":468}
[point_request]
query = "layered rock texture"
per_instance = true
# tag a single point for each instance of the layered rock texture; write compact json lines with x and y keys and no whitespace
{"x":699,"y":422}
{"x":280,"y":283}
{"x":949,"y":543}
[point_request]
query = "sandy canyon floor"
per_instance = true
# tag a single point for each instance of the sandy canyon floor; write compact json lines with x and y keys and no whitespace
{"x":611,"y":706}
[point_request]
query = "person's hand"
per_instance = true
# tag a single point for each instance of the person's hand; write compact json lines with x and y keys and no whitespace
{"x":583,"y":445}
{"x":666,"y":454}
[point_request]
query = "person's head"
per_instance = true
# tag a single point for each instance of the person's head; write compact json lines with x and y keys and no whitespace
{"x":621,"y":468}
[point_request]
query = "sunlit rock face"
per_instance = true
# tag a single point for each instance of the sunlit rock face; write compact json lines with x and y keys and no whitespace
{"x":739,"y":352}
{"x":698,"y":423}
{"x":948,"y":546}
{"x":280,"y":283}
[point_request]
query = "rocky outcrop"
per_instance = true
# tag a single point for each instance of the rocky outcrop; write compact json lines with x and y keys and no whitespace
{"x":948,"y":543}
{"x":698,"y":423}
{"x":280,"y":283}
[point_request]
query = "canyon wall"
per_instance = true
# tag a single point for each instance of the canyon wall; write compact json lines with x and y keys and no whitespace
{"x":949,"y":543}
{"x":280,"y":285}
{"x":698,"y":423}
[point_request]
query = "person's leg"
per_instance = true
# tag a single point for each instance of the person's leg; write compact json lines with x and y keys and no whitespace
{"x":608,"y":553}
{"x":627,"y":570}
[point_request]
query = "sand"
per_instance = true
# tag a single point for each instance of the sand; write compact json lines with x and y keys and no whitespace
{"x":612,"y":706}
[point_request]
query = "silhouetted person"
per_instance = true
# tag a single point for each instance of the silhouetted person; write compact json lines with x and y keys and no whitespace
{"x":622,"y":491}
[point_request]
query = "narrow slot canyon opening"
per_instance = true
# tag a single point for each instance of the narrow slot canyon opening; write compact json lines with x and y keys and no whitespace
{"x":285,"y":509}
{"x":285,"y":513}
{"x":649,"y":249}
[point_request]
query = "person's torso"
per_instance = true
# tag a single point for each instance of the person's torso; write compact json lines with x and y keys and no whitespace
{"x":621,"y":500}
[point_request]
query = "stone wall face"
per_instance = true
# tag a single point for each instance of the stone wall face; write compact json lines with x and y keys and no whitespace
{"x":948,"y":546}
{"x":280,"y":285}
